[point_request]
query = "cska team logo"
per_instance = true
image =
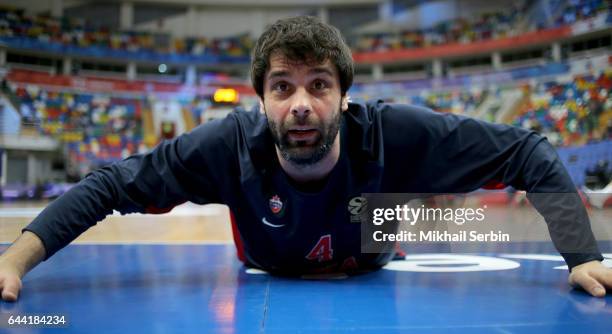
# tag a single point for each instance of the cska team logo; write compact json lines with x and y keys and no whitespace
{"x":276,"y":205}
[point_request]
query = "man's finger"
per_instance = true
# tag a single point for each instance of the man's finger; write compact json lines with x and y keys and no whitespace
{"x":588,"y":283}
{"x":604,"y":277}
{"x":10,"y":289}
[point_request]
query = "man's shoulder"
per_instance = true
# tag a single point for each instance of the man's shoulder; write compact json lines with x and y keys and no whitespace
{"x":378,"y":109}
{"x":249,"y":117}
{"x":380,"y":115}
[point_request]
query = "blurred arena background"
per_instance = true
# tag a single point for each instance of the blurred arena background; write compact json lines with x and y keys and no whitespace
{"x":86,"y":83}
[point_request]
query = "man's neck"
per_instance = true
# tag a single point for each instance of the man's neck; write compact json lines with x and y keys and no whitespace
{"x":315,"y":172}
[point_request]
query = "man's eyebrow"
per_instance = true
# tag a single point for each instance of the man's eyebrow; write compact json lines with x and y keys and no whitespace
{"x":285,"y":73}
{"x":321,"y":70}
{"x":278,"y":74}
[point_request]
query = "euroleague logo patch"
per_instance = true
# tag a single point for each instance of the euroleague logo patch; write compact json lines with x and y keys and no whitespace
{"x":276,"y":205}
{"x":357,"y":207}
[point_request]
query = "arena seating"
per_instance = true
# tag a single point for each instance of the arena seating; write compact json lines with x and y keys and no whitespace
{"x":576,"y":112}
{"x":485,"y":27}
{"x":98,"y":128}
{"x":488,"y":26}
{"x":54,"y":34}
{"x":577,"y":10}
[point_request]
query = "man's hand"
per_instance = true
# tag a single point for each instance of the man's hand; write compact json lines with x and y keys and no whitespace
{"x":593,"y":277}
{"x":24,"y":254}
{"x":10,"y":282}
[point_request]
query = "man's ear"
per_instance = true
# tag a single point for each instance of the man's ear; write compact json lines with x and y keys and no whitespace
{"x":345,"y":101}
{"x":261,"y":106}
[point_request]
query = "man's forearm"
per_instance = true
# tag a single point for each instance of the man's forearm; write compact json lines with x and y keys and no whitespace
{"x":569,"y":226}
{"x":25,"y":253}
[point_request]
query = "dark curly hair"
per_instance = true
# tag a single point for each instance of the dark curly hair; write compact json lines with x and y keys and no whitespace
{"x":302,"y":39}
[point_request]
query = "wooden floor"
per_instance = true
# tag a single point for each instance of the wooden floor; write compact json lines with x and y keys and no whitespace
{"x":209,"y":224}
{"x":186,"y":224}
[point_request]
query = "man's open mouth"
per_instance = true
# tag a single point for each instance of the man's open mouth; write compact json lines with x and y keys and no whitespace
{"x":302,"y":134}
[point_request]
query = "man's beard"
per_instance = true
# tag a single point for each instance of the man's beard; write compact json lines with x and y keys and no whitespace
{"x":301,"y":153}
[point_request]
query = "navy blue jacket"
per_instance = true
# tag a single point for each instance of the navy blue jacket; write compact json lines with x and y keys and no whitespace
{"x":385,"y":148}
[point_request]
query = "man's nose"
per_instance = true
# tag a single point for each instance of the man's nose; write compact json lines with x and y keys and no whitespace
{"x":301,"y":105}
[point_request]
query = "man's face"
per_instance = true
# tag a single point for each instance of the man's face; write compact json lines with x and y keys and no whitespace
{"x":303,"y":105}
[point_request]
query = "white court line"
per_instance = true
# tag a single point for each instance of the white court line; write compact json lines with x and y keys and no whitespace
{"x":543,"y":257}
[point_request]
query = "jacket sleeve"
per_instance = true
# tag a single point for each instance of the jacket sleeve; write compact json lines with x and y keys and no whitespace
{"x":187,"y":168}
{"x":461,"y":154}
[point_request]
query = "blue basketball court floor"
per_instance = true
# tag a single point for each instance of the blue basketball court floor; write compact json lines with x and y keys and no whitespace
{"x":150,"y":287}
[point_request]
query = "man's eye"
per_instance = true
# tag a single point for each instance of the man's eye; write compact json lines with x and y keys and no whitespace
{"x":281,"y":87}
{"x":319,"y":85}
